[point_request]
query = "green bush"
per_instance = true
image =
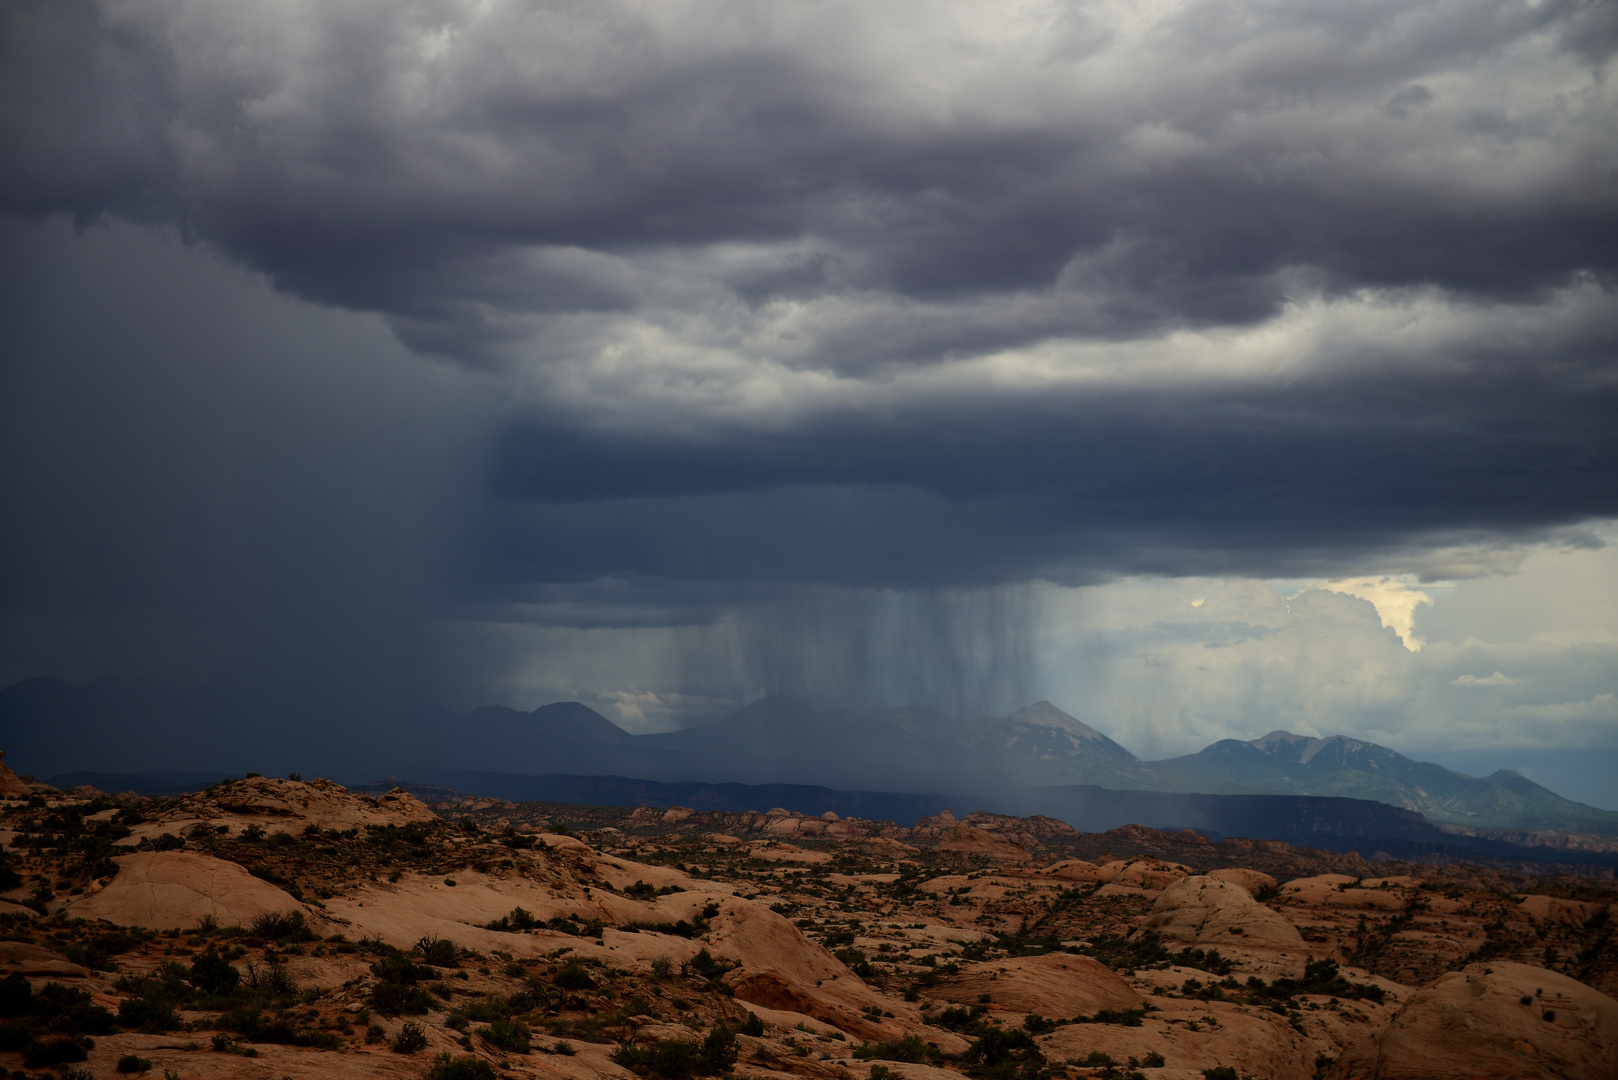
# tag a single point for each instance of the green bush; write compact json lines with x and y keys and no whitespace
{"x":667,"y":1059}
{"x":752,"y":1025}
{"x":506,"y":1034}
{"x":719,"y":1050}
{"x":280,"y":926}
{"x":448,"y":1067}
{"x":574,"y":977}
{"x":148,"y":1014}
{"x":131,"y":1063}
{"x":400,"y":999}
{"x":999,"y":1054}
{"x":411,"y":1037}
{"x":680,"y":1059}
{"x":909,"y":1049}
{"x":439,"y":952}
{"x":57,"y":1051}
{"x":397,"y":967}
{"x":213,"y":974}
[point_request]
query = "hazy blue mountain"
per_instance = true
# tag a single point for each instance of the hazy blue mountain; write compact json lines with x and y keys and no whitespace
{"x":1041,"y":745}
{"x":50,"y":727}
{"x":1283,"y":763}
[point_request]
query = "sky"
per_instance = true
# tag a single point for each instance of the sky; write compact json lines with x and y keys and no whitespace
{"x":1203,"y":367}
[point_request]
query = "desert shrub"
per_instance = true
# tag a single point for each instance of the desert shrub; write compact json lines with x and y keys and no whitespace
{"x":397,"y":967}
{"x":1036,"y":1024}
{"x":719,"y":1050}
{"x":148,"y":1013}
{"x":909,"y":1049}
{"x":280,"y":925}
{"x":213,"y":974}
{"x":673,"y":929}
{"x":66,"y":1009}
{"x":564,"y":1048}
{"x":411,"y":1037}
{"x":506,"y":1034}
{"x":1221,"y":1072}
{"x":705,"y":965}
{"x":131,"y":1063}
{"x":519,"y":919}
{"x":493,"y":1007}
{"x":1124,"y":1017}
{"x":42,"y":1053}
{"x":667,"y":1059}
{"x":252,"y":1024}
{"x":1147,"y":950}
{"x":642,"y":891}
{"x":1152,"y":1060}
{"x":574,"y":977}
{"x":856,"y":961}
{"x":1319,"y":977}
{"x":752,"y":1025}
{"x":999,"y":1054}
{"x":396,"y":999}
{"x":437,"y":951}
{"x":448,"y":1067}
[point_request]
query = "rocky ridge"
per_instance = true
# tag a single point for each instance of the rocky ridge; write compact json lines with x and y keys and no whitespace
{"x":361,"y":936}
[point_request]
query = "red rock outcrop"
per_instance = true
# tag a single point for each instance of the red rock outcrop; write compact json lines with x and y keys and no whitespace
{"x":1208,"y":912}
{"x":1498,"y":1020}
{"x":970,"y":840}
{"x":1055,"y":985}
{"x":169,"y":890}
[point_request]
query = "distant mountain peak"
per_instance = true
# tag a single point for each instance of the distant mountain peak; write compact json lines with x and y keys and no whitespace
{"x":1304,"y":748}
{"x":1045,"y":714}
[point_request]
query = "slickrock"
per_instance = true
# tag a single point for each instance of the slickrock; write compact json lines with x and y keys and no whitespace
{"x":1055,"y":985}
{"x":1208,"y":912}
{"x":276,"y":805}
{"x":1255,"y":1044}
{"x":1252,"y":880}
{"x":1134,"y":873}
{"x":30,"y":959}
{"x":1342,"y":891}
{"x":169,"y":890}
{"x":971,"y":840}
{"x":1499,"y":1020}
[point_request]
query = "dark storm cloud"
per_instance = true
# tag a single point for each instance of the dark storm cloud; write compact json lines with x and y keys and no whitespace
{"x":685,"y":257}
{"x":1298,"y":481}
{"x":449,"y":167}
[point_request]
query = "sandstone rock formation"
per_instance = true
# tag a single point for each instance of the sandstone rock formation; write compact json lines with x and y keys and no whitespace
{"x":972,"y":840}
{"x":164,"y":890}
{"x":1501,"y":1020}
{"x":1055,"y":985}
{"x":1209,"y":912}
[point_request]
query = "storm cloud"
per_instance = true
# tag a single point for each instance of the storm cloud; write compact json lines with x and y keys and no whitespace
{"x":792,"y":345}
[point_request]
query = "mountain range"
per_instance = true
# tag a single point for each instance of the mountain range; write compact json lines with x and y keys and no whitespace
{"x":112,"y":726}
